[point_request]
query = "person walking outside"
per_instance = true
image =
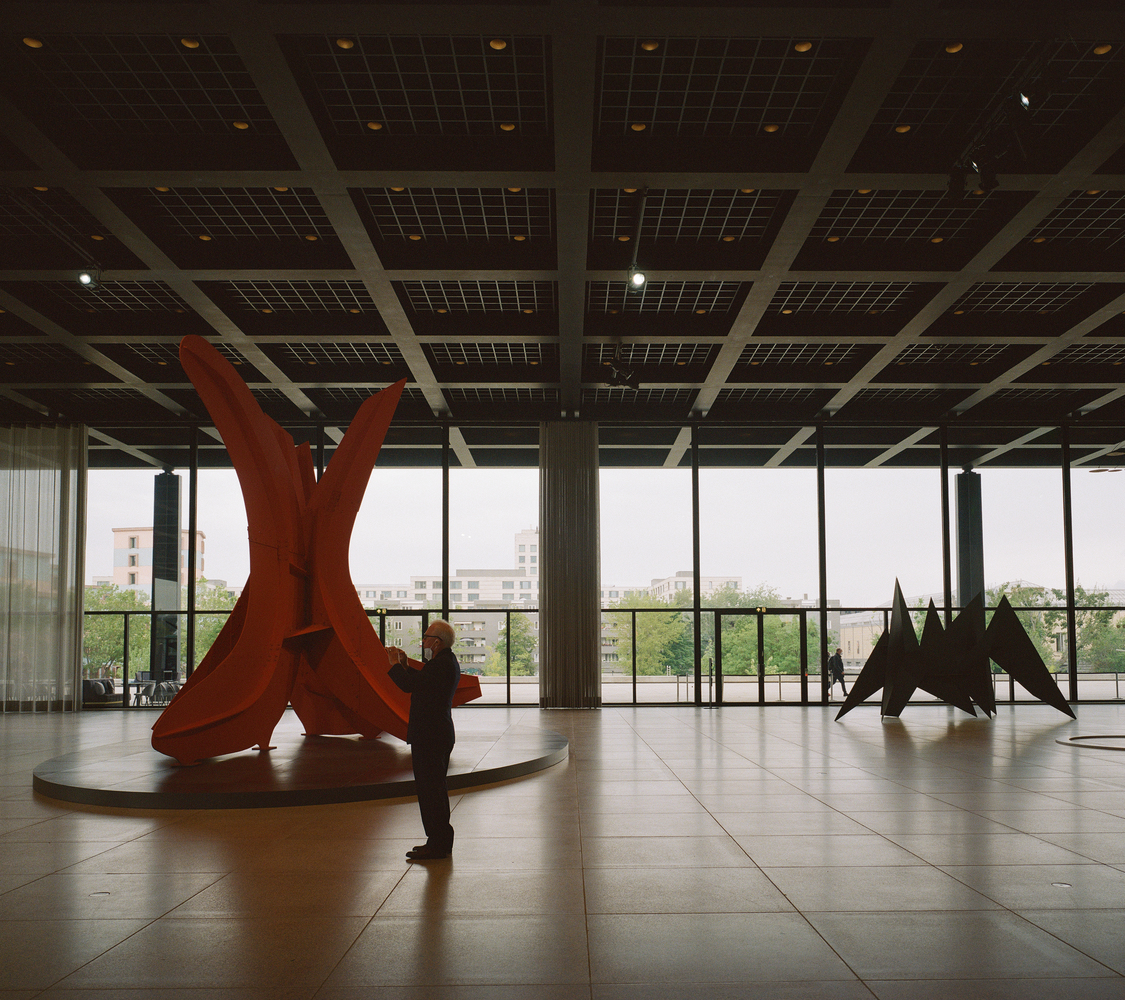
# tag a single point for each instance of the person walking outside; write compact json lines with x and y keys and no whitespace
{"x":836,"y":672}
{"x":431,"y":684}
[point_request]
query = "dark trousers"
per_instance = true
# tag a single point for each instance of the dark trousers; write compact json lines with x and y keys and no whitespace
{"x":840,"y":678}
{"x":430,"y":767}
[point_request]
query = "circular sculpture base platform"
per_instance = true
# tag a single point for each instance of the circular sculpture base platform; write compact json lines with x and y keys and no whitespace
{"x":299,"y":771}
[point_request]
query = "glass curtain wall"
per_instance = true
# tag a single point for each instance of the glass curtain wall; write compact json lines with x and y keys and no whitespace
{"x":1022,"y":517}
{"x":647,"y":584}
{"x":1097,"y":494}
{"x":881,"y":525}
{"x":758,"y":548}
{"x":494,"y":579}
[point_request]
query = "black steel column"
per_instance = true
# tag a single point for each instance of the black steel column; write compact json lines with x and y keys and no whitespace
{"x":193,"y":496}
{"x":696,"y":581}
{"x":946,"y":563}
{"x":1068,"y":559}
{"x":822,"y":543}
{"x":970,"y":544}
{"x":164,"y":650}
{"x":445,"y":523}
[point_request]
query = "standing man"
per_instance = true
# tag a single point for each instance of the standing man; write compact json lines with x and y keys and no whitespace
{"x":836,"y":672}
{"x":431,"y":685}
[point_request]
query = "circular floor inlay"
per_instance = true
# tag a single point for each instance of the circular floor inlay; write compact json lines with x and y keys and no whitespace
{"x":1078,"y":742}
{"x":300,"y":770}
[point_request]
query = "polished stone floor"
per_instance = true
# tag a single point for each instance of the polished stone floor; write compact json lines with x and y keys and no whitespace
{"x":742,"y":852}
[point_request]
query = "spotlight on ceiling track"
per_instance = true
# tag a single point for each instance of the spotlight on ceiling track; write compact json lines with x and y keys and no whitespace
{"x":988,"y":179}
{"x":637,"y":279}
{"x":90,"y":277}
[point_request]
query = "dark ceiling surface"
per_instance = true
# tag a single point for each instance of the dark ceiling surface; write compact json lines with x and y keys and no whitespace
{"x":342,"y":195}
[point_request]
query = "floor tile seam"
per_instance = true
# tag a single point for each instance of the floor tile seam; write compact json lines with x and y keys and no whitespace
{"x":694,"y":796}
{"x":362,"y":930}
{"x":1067,"y":944}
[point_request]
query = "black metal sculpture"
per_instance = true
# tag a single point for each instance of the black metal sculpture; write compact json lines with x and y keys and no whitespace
{"x":952,"y":664}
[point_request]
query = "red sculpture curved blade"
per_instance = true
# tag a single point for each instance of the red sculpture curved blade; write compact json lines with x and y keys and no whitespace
{"x":300,"y":633}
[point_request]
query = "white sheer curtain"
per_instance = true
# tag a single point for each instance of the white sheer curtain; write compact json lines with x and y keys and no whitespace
{"x":42,"y":533}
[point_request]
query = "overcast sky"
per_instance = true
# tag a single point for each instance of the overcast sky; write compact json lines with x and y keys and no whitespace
{"x":758,"y":524}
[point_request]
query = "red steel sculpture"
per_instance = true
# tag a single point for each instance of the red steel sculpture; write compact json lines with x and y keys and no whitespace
{"x":298,"y":634}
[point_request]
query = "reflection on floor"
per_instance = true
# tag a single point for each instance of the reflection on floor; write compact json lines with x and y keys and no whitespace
{"x":772,"y":851}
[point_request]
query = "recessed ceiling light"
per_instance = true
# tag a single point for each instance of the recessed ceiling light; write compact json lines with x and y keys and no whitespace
{"x":310,"y":362}
{"x":1043,"y":312}
{"x":398,"y":189}
{"x":938,"y":239}
{"x":1101,"y":50}
{"x":529,"y":311}
{"x":205,"y":238}
{"x":629,"y":190}
{"x":162,"y":190}
{"x":507,"y":127}
{"x":614,"y":312}
{"x":353,"y":310}
{"x":190,"y":43}
{"x":973,"y":364}
{"x":530,"y":362}
{"x":863,"y":190}
{"x":874,"y":312}
{"x":162,"y":362}
{"x":902,"y":128}
{"x":833,"y":239}
{"x":786,"y":312}
{"x":40,"y":187}
{"x":802,"y":46}
{"x":1095,"y":191}
{"x":414,"y":236}
{"x":638,"y":126}
{"x":515,"y":190}
{"x":728,"y":239}
{"x":458,"y":362}
{"x":345,"y":43}
{"x":828,"y":362}
{"x":681,"y":363}
{"x":33,"y":43}
{"x":312,"y":239}
{"x":746,"y":190}
{"x":954,"y":47}
{"x":1045,"y":363}
{"x":374,"y":126}
{"x":700,"y":312}
{"x":241,"y":125}
{"x":177,"y":310}
{"x":95,"y":236}
{"x":650,"y":45}
{"x":753,"y":362}
{"x":498,"y":44}
{"x":443,"y":310}
{"x":771,"y":128}
{"x":958,"y":312}
{"x":281,"y":189}
{"x":519,"y":239}
{"x":267,"y":310}
{"x":978,"y":191}
{"x":623,"y":239}
{"x":1039,"y":239}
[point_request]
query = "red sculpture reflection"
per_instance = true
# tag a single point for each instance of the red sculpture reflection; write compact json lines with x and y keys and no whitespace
{"x":298,"y":633}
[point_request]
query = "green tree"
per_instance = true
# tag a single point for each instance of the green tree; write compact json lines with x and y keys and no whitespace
{"x":661,"y":636}
{"x":103,"y":635}
{"x":520,"y":633}
{"x":207,"y":627}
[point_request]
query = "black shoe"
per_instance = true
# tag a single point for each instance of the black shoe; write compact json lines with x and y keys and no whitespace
{"x":427,"y":853}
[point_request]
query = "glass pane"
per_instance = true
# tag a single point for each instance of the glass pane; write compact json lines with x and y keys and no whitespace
{"x":883,"y":525}
{"x":494,"y":559}
{"x":646,"y":547}
{"x":1099,"y":591}
{"x":759,"y":526}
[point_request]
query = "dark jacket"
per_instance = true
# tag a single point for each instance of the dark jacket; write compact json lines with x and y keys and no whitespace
{"x":431,"y":690}
{"x":836,"y":666}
